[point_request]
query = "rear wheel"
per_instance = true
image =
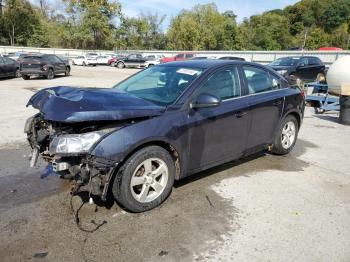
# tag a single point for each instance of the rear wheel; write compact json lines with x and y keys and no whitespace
{"x":67,"y":72}
{"x":50,"y":74}
{"x":145,"y":180}
{"x":286,"y":136}
{"x":17,"y":73}
{"x":25,"y":77}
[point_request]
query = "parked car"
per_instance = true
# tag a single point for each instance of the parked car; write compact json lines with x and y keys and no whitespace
{"x":152,"y":60}
{"x":163,"y":124}
{"x":103,"y":59}
{"x":84,"y":61}
{"x":64,"y":59}
{"x":43,"y":65}
{"x":9,"y":67}
{"x":132,"y":60}
{"x":112,"y":61}
{"x":178,"y":57}
{"x":300,"y":69}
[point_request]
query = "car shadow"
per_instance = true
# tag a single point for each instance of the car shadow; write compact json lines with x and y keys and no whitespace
{"x":331,"y":118}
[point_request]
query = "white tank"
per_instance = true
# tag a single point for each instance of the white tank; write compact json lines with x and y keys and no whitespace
{"x":338,"y":77}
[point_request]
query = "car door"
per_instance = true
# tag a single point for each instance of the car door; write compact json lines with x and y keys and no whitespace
{"x":266,"y":101}
{"x":59,"y":64}
{"x":303,"y":69}
{"x":140,"y":60}
{"x":2,"y":67}
{"x":218,"y":134}
{"x":130,"y":60}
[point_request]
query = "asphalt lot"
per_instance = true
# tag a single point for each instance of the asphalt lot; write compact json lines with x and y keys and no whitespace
{"x":263,"y":208}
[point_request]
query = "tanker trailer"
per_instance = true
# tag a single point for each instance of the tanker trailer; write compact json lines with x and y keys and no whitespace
{"x":338,"y":80}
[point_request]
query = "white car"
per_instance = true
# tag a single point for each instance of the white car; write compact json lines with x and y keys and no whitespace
{"x":152,"y":60}
{"x":84,"y":61}
{"x":103,"y":59}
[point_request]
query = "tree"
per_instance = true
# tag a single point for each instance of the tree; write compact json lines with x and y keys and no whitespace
{"x":203,"y":28}
{"x":19,"y":21}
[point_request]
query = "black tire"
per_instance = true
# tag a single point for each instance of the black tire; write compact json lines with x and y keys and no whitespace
{"x":278,"y":147}
{"x":120,"y":65}
{"x":93,"y":65}
{"x":50,"y":74}
{"x":17,"y":73}
{"x":122,"y":190}
{"x":84,"y":64}
{"x":25,"y":77}
{"x":67,"y":72}
{"x":344,"y":116}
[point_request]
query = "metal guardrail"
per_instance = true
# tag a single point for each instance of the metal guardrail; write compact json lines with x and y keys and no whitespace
{"x":327,"y":57}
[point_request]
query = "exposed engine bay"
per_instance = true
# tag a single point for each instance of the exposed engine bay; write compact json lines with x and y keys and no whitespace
{"x":65,"y":147}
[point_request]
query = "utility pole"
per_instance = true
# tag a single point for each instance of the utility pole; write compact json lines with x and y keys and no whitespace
{"x":305,"y":37}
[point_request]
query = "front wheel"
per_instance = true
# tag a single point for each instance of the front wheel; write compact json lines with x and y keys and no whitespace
{"x":17,"y":73}
{"x":286,"y":136}
{"x":145,"y":180}
{"x":120,"y":65}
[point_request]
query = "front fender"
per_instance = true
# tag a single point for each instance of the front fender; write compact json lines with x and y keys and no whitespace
{"x":119,"y":144}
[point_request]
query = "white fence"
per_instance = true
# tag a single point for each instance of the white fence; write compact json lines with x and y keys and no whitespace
{"x":327,"y":57}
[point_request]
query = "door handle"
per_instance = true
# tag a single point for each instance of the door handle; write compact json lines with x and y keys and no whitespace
{"x":277,"y":103}
{"x":240,"y":114}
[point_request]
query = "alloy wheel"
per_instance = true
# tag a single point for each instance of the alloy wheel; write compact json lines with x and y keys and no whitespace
{"x":149,"y":180}
{"x":288,"y":135}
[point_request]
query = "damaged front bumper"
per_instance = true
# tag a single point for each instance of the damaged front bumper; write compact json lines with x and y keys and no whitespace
{"x":68,"y":155}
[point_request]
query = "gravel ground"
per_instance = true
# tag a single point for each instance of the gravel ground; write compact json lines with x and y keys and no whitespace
{"x":262,"y":208}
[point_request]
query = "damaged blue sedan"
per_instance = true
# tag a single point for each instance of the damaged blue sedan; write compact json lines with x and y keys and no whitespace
{"x":161,"y":125}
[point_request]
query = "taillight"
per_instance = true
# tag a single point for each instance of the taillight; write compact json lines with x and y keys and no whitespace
{"x":302,"y":92}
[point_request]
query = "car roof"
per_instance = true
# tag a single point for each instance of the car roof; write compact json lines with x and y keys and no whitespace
{"x":205,"y":63}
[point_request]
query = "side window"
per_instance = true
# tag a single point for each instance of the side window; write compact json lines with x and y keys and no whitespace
{"x":54,"y":59}
{"x":314,"y":61}
{"x":179,"y":56}
{"x":132,"y":57}
{"x":223,"y":84}
{"x":303,"y":61}
{"x":189,"y":55}
{"x":260,"y":80}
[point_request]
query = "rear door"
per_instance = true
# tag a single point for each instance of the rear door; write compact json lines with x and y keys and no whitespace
{"x":218,"y":134}
{"x":266,"y":99}
{"x":60,"y":66}
{"x":131,"y":60}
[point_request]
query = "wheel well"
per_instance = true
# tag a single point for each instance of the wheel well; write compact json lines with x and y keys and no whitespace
{"x":168,"y":147}
{"x":297,"y":117}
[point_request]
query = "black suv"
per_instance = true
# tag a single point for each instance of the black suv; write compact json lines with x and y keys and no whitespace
{"x":300,"y":68}
{"x":43,"y":65}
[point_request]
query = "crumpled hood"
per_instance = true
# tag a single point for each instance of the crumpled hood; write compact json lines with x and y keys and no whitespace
{"x":72,"y":104}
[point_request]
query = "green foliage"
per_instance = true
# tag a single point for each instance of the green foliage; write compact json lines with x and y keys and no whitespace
{"x":203,"y":28}
{"x":100,"y":24}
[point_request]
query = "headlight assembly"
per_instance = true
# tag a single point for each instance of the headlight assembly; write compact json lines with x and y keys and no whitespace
{"x":74,"y":143}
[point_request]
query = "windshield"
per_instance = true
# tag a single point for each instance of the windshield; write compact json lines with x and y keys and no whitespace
{"x":287,"y":61}
{"x":161,"y":85}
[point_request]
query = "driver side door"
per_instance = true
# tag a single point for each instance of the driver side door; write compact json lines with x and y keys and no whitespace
{"x":218,"y":134}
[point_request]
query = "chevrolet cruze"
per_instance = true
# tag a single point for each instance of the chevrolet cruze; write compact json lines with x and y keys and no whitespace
{"x":162,"y":124}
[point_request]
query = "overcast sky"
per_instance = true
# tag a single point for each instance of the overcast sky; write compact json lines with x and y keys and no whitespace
{"x":242,"y":8}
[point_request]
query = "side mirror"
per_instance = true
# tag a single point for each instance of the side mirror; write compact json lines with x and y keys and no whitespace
{"x":205,"y":100}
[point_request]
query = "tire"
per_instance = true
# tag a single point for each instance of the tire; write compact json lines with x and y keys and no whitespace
{"x":84,"y":64}
{"x":286,"y":136}
{"x":25,"y":77}
{"x":344,"y":116}
{"x":142,"y":196}
{"x":93,"y":65}
{"x":50,"y":74}
{"x":17,"y":73}
{"x":113,"y":64}
{"x":67,"y":72}
{"x":120,"y":65}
